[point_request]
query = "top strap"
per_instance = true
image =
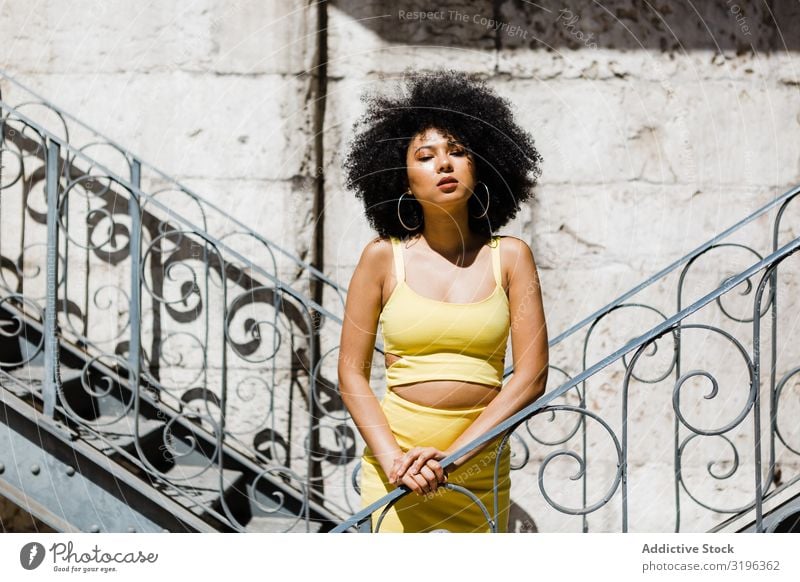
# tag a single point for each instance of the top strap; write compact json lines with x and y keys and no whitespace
{"x":400,"y":272}
{"x":498,"y":274}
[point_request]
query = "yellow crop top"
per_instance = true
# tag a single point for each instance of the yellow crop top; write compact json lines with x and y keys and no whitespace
{"x":440,"y":340}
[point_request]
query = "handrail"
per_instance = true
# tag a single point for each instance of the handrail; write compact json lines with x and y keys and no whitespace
{"x":529,"y":410}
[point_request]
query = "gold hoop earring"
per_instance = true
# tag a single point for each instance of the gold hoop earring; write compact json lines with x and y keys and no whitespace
{"x":400,"y":218}
{"x":486,"y":206}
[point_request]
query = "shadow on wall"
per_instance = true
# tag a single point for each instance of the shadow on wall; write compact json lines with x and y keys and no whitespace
{"x":520,"y":521}
{"x":660,"y":25}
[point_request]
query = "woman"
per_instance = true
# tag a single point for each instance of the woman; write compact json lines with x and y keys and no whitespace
{"x":439,"y":169}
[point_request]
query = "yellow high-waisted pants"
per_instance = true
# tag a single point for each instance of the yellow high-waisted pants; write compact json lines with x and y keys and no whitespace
{"x":417,"y":425}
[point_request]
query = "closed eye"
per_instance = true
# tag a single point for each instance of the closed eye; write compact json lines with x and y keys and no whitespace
{"x":456,"y":153}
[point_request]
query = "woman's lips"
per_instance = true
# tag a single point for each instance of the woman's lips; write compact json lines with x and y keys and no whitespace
{"x":447,"y":184}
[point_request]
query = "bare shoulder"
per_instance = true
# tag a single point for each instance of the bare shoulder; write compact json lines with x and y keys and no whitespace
{"x":375,"y":259}
{"x":515,"y":256}
{"x":375,"y":253}
{"x":513,"y":245}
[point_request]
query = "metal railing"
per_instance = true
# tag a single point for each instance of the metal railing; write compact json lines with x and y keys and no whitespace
{"x":161,"y":298}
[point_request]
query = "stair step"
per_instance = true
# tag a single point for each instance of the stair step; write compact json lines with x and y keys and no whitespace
{"x":120,"y":433}
{"x":274,"y":513}
{"x":197,"y":487}
{"x":19,"y":386}
{"x":281,"y":524}
{"x":32,"y":378}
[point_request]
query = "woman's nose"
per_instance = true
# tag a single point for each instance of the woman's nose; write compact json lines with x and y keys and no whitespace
{"x":445,"y":163}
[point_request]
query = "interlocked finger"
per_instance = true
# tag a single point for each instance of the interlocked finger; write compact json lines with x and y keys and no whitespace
{"x":421,"y":483}
{"x":430,"y":477}
{"x":437,"y":469}
{"x":420,"y":461}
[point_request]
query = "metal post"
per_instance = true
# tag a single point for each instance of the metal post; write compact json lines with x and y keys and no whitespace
{"x":134,"y":210}
{"x":52,"y":377}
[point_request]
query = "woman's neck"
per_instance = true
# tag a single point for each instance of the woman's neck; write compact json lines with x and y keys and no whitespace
{"x":453,"y":244}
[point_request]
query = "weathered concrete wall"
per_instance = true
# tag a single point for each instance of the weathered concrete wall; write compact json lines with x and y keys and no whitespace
{"x":213,"y":93}
{"x":658,"y":130}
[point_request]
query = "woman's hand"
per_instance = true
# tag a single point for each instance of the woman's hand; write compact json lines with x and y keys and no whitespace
{"x":419,"y":469}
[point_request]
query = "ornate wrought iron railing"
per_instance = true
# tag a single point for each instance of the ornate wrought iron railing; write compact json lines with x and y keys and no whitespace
{"x":178,"y":310}
{"x":688,"y":424}
{"x":182,"y":310}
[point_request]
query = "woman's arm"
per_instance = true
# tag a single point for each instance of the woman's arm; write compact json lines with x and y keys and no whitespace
{"x":357,"y":342}
{"x":530,"y":350}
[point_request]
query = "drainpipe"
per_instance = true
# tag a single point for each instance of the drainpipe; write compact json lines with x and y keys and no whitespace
{"x":319,"y":86}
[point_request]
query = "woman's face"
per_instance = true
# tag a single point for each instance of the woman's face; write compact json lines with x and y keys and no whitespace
{"x":432,"y":157}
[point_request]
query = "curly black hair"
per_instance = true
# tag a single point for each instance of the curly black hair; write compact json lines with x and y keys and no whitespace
{"x":461,"y":106}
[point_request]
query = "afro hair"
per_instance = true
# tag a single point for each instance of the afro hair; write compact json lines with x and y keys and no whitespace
{"x":461,"y":106}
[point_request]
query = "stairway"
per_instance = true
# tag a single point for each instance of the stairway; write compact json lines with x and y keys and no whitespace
{"x":148,"y":368}
{"x":147,"y":466}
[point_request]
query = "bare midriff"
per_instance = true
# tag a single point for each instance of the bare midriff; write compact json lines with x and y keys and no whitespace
{"x":444,"y":393}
